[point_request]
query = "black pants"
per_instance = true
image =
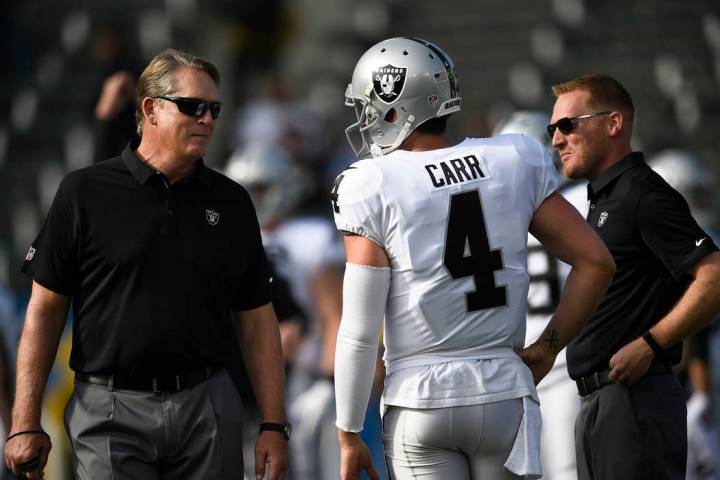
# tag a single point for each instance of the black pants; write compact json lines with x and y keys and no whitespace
{"x":637,"y":432}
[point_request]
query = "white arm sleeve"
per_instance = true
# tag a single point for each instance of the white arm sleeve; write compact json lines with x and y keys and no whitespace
{"x":365,"y":291}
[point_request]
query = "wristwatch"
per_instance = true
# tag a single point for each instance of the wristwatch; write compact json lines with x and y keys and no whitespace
{"x":284,"y":428}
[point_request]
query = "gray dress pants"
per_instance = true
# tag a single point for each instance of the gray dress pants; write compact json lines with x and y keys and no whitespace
{"x":633,"y":433}
{"x":123,"y":434}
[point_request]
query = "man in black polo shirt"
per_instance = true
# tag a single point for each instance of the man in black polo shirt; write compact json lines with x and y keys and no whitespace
{"x":163,"y":262}
{"x":632,"y":422}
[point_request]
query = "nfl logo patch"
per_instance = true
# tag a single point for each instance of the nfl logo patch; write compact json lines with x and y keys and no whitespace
{"x":388,"y":82}
{"x":30,"y":254}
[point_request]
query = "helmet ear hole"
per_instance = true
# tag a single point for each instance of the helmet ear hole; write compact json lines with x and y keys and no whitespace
{"x":391,"y":116}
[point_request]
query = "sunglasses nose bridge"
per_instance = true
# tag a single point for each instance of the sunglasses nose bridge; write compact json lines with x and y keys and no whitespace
{"x":564,"y":125}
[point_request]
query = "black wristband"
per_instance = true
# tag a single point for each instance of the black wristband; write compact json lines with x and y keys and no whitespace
{"x":284,"y":428}
{"x":656,"y":348}
{"x":43,"y":432}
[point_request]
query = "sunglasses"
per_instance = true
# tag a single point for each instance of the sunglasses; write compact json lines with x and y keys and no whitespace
{"x":568,"y":124}
{"x":195,"y":107}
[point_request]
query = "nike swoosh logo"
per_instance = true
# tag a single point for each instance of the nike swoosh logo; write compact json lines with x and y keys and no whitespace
{"x":699,"y":242}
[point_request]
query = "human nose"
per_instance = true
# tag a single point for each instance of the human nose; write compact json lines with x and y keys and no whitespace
{"x":558,"y":138}
{"x":206,"y":117}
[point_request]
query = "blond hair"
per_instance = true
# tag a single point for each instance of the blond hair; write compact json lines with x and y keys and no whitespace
{"x":157,"y":79}
{"x":605,"y":93}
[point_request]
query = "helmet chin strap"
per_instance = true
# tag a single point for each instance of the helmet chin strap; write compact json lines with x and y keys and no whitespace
{"x":377,"y":151}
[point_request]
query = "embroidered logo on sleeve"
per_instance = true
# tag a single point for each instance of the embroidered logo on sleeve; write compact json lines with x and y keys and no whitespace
{"x":212,"y":216}
{"x":602,"y":219}
{"x":30,"y":254}
{"x":699,"y":242}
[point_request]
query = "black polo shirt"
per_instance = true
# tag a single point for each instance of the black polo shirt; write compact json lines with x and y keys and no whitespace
{"x":654,"y":240}
{"x":153,"y":269}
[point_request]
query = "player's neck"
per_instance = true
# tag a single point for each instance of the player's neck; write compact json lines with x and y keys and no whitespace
{"x":422,"y":142}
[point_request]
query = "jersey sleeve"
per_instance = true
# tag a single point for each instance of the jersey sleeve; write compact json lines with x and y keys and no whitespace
{"x":670,"y":231}
{"x":357,"y":203}
{"x":542,"y":171}
{"x":546,"y":176}
{"x":52,"y":260}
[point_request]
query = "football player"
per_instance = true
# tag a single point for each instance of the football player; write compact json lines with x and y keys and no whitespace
{"x":436,"y":244}
{"x":306,"y":250}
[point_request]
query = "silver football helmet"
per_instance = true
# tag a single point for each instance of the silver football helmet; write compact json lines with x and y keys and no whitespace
{"x":532,"y":123}
{"x":397,"y":85}
{"x":275,"y":185}
{"x":686,"y":174}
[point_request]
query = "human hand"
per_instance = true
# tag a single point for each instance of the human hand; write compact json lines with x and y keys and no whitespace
{"x":630,"y":362}
{"x":26,"y":454}
{"x":538,"y":359}
{"x":118,"y":89}
{"x":354,"y":458}
{"x":271,"y":454}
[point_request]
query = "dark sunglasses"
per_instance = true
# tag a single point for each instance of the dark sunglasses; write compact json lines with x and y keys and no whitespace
{"x":568,"y":124}
{"x":195,"y":107}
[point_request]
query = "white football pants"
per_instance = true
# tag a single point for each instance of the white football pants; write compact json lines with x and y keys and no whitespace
{"x":559,"y":405}
{"x":455,"y":443}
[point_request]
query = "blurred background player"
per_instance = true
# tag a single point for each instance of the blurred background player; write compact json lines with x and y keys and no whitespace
{"x":687,"y":174}
{"x":306,"y":250}
{"x":559,"y":399}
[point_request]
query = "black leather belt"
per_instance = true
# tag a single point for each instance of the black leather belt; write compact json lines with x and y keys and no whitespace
{"x":587,"y":385}
{"x":159,"y":384}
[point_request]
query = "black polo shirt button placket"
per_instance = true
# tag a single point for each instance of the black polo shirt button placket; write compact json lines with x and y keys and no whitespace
{"x":648,"y":228}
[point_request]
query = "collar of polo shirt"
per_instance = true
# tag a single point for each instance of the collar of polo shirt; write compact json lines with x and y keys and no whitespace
{"x":615,"y":170}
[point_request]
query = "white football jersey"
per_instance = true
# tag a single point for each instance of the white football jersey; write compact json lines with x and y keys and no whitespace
{"x":299,"y":248}
{"x":454,"y":225}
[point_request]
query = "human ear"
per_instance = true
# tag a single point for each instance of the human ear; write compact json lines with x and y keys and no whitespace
{"x":148,"y":109}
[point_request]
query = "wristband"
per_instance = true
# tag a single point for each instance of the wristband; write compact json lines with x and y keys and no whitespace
{"x":656,"y":348}
{"x":25,"y":432}
{"x":284,"y":428}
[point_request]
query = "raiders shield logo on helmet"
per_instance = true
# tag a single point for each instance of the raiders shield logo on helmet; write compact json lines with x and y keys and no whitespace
{"x":388,"y":82}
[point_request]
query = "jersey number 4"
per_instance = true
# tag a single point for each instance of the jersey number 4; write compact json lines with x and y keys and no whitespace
{"x":466,"y":226}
